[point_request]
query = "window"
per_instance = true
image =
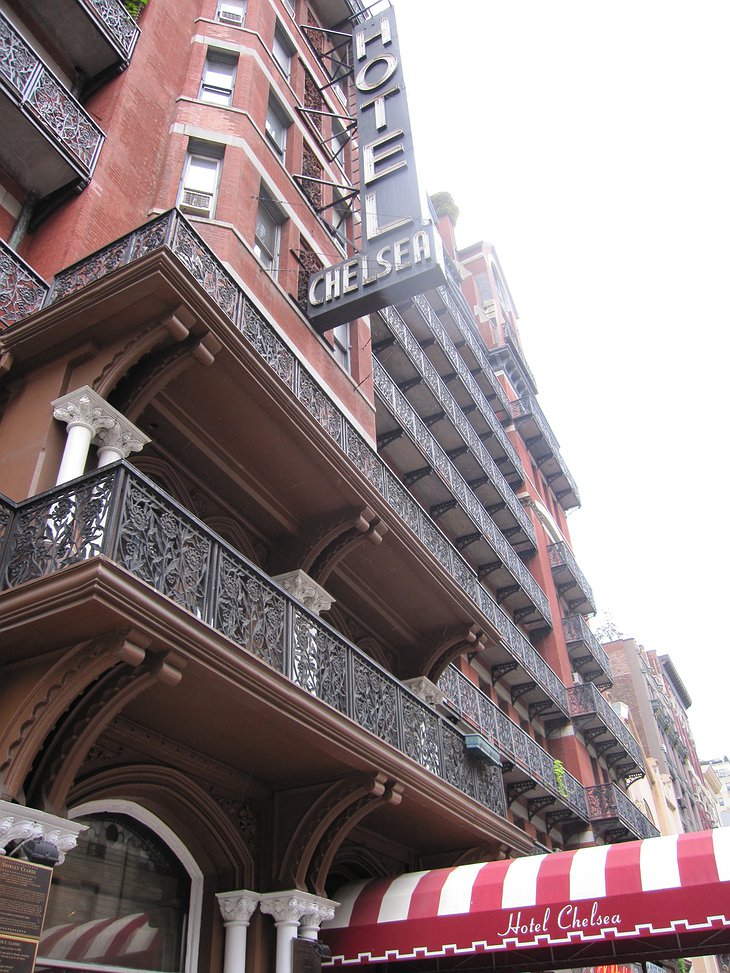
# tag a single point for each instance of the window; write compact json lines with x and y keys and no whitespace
{"x":282,"y":50}
{"x":268,"y":221}
{"x":340,"y":214}
{"x":218,"y":77}
{"x":277,"y":122}
{"x":291,"y":6}
{"x":232,"y":11}
{"x":200,"y":179}
{"x":340,"y":138}
{"x":341,"y":345}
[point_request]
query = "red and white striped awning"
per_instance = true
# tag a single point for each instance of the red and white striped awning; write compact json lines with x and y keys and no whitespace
{"x":662,"y":896}
{"x":119,"y":941}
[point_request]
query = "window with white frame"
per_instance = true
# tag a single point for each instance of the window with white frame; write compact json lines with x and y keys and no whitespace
{"x":219,"y":75}
{"x":340,"y":138}
{"x":232,"y":12}
{"x":277,"y":122}
{"x":340,"y":213}
{"x":341,"y":345}
{"x":282,"y":50}
{"x":269,"y":219}
{"x":291,"y":6}
{"x":201,"y":173}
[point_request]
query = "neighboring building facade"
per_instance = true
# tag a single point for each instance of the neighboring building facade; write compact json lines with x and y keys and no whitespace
{"x":325,"y":622}
{"x":720,"y":768}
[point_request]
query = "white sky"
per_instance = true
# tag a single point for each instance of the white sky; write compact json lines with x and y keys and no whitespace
{"x":588,"y":141}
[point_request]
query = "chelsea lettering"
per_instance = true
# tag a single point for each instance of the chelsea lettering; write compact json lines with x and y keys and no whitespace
{"x":571,"y":917}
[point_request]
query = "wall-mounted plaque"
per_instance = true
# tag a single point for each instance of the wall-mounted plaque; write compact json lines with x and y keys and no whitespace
{"x":24,"y":889}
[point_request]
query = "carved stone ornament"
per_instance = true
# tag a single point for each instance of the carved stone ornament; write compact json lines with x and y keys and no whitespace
{"x":305,"y":589}
{"x":109,"y":428}
{"x":238,"y":906}
{"x":289,"y":907}
{"x":426,"y":690}
{"x":18,"y":823}
{"x":320,"y":911}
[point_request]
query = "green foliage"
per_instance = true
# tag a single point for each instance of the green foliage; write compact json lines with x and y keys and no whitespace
{"x":135,"y":7}
{"x":560,"y":783}
{"x":444,"y":205}
{"x":682,"y":965}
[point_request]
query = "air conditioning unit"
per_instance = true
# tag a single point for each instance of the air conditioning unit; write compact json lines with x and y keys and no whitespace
{"x":231,"y":16}
{"x":198,"y":203}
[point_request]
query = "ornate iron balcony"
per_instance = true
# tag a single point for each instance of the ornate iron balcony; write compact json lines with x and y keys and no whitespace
{"x":511,"y":740}
{"x":424,"y":440}
{"x":570,"y":578}
{"x":22,"y":291}
{"x":587,"y":702}
{"x":115,"y":21}
{"x":622,"y":818}
{"x":526,"y":408}
{"x":434,"y":325}
{"x":577,"y":633}
{"x":43,"y":99}
{"x":119,"y":514}
{"x":172,"y":232}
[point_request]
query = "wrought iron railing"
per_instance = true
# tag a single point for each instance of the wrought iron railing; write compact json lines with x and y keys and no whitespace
{"x":42,"y":96}
{"x":172,"y":232}
{"x":115,"y":20}
{"x":426,"y":443}
{"x":511,"y":740}
{"x":527,"y":406}
{"x":511,"y":337}
{"x":575,"y":629}
{"x":560,"y":555}
{"x":607,"y":802}
{"x":586,"y":699}
{"x":402,"y":333}
{"x":22,"y":291}
{"x":118,"y":513}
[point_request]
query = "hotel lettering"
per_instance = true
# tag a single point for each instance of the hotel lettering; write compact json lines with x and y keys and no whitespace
{"x":401,"y":252}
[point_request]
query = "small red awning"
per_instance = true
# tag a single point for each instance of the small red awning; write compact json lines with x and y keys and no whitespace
{"x":118,"y":940}
{"x":654,"y":898}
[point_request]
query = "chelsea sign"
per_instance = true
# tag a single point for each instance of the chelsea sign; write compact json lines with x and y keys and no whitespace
{"x":401,"y":251}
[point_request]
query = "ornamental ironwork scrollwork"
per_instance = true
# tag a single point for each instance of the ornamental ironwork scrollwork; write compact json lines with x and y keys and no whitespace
{"x":62,"y":529}
{"x":21,"y":291}
{"x":267,"y":344}
{"x":375,"y":705}
{"x":80,"y":275}
{"x":151,"y":236}
{"x":420,"y":734}
{"x":17,"y":60}
{"x":458,"y":768}
{"x":162,"y":547}
{"x":55,"y":107}
{"x":489,"y":787}
{"x":117,"y":21}
{"x":318,"y":405}
{"x":319,"y":661}
{"x":249,"y":611}
{"x":211,"y":276}
{"x":364,"y":458}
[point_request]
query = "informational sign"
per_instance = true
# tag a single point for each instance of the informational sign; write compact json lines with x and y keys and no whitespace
{"x":24,"y":889}
{"x":402,"y":254}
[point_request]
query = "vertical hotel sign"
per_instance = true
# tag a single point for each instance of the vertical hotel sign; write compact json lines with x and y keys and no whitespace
{"x":402,"y":253}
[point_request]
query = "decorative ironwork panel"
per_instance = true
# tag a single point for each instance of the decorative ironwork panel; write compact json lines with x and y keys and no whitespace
{"x":319,"y":661}
{"x":489,"y":785}
{"x":98,"y":265}
{"x":62,"y":114}
{"x":363,"y":457}
{"x":317,"y":404}
{"x":118,"y":22}
{"x":248,"y":610}
{"x":273,"y":351}
{"x":458,"y":768}
{"x":152,"y":235}
{"x":375,"y":700}
{"x":575,"y":629}
{"x":401,"y":501}
{"x":6,"y":512}
{"x":162,"y":546}
{"x":18,"y":61}
{"x":21,"y":290}
{"x":62,"y":528}
{"x":205,"y":268}
{"x":421,"y":734}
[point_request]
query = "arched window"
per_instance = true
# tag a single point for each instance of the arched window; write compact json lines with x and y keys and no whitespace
{"x":123,"y":898}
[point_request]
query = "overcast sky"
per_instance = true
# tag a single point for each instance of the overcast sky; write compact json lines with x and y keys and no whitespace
{"x":588,"y":141}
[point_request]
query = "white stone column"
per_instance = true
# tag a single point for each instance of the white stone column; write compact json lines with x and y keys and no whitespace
{"x":19,"y":823}
{"x":90,"y":419}
{"x":305,"y":589}
{"x":287,"y":908}
{"x":320,"y":910}
{"x":236,"y":909}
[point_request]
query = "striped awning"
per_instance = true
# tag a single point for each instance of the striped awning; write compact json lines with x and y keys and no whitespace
{"x":117,"y":941}
{"x":659,"y":897}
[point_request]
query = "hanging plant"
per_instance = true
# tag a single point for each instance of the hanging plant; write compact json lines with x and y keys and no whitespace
{"x":560,"y":782}
{"x":135,"y":7}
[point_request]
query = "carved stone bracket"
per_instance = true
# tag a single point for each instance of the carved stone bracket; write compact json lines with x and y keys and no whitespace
{"x":18,"y":823}
{"x":468,"y":639}
{"x":305,"y":589}
{"x":238,"y":906}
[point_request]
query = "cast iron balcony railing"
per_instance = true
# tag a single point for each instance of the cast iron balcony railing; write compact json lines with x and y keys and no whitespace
{"x":43,"y":99}
{"x":118,"y":514}
{"x":544,"y":447}
{"x":570,"y":579}
{"x":420,"y":361}
{"x":171,"y":232}
{"x":608,"y":804}
{"x":22,"y":291}
{"x":578,"y":637}
{"x":475,"y":707}
{"x":425,"y":442}
{"x":586,"y":703}
{"x":114,"y":21}
{"x":95,"y":36}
